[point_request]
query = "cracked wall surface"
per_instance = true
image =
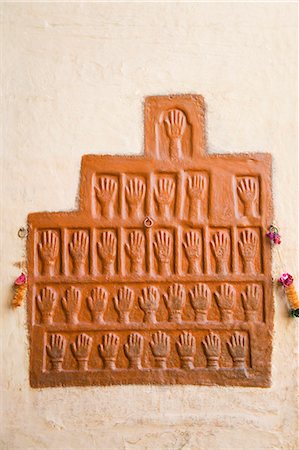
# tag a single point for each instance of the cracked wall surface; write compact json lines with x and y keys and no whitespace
{"x":74,"y":75}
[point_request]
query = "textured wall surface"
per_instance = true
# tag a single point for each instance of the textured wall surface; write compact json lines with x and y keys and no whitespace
{"x":74,"y":79}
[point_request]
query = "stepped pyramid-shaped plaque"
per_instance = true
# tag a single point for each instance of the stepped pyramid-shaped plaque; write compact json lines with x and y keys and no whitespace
{"x":163,"y":275}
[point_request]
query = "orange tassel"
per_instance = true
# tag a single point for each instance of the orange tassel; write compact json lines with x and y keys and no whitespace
{"x":20,"y":286}
{"x":286,"y":280}
{"x":292,"y":296}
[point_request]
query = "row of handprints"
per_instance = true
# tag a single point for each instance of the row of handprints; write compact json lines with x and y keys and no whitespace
{"x":176,"y":297}
{"x":135,"y":244}
{"x":159,"y":345}
{"x":164,"y":196}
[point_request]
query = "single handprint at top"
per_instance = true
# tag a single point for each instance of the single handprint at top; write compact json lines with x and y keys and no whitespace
{"x":133,"y":350}
{"x":78,"y":251}
{"x":196,"y":188}
{"x":164,"y":194}
{"x":221,"y":249}
{"x":251,"y":299}
{"x":46,"y":302}
{"x":48,"y":250}
{"x":186,"y":346}
{"x":106,"y":195}
{"x":135,"y":193}
{"x":97,"y":304}
{"x":108,"y":350}
{"x":248,"y":248}
{"x":160,"y":346}
{"x":247,"y":190}
{"x":71,"y":304}
{"x":237,"y":349}
{"x":163,"y":251}
{"x":149,"y":303}
{"x":200,"y":297}
{"x":81,"y":350}
{"x":212,"y":349}
{"x":56,"y":351}
{"x":123,"y":303}
{"x":135,"y":250}
{"x":192,"y":247}
{"x":107,"y":252}
{"x":226,"y":300}
{"x":175,"y":124}
{"x":175,"y":300}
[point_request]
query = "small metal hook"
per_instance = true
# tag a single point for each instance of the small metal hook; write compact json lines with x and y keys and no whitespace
{"x":22,"y":233}
{"x":274,"y":229}
{"x":148,"y":222}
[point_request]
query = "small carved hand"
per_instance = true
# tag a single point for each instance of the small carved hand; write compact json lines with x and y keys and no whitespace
{"x":135,"y":193}
{"x":196,"y":187}
{"x":200,"y":297}
{"x":163,"y":250}
{"x":212,"y":349}
{"x":108,"y":350}
{"x":71,"y":304}
{"x":251,"y":298}
{"x":160,"y":346}
{"x":56,"y":350}
{"x":248,"y":248}
{"x":193,"y":251}
{"x":186,"y":347}
{"x":123,"y":303}
{"x":175,"y":301}
{"x":79,"y":251}
{"x":175,"y":123}
{"x":164,"y":193}
{"x":46,"y":302}
{"x":237,"y":349}
{"x":106,"y":194}
{"x":247,"y":192}
{"x":226,"y":300}
{"x":48,"y":250}
{"x":220,"y":246}
{"x":97,"y":303}
{"x":135,"y":250}
{"x":133,"y":350}
{"x":149,"y":303}
{"x":107,"y":252}
{"x":81,"y":350}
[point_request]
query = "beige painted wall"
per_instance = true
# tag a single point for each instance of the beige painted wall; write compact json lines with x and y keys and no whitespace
{"x":74,"y":79}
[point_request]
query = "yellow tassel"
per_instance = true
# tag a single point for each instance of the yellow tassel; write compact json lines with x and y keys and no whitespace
{"x":19,"y":296}
{"x":292,"y":296}
{"x":20,"y":287}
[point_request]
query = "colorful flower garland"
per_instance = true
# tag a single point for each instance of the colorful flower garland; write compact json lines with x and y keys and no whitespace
{"x":286,"y":280}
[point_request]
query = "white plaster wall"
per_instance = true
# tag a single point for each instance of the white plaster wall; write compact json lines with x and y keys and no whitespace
{"x":74,"y":78}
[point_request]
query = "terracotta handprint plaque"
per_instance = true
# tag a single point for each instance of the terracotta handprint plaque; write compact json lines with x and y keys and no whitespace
{"x":163,"y":275}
